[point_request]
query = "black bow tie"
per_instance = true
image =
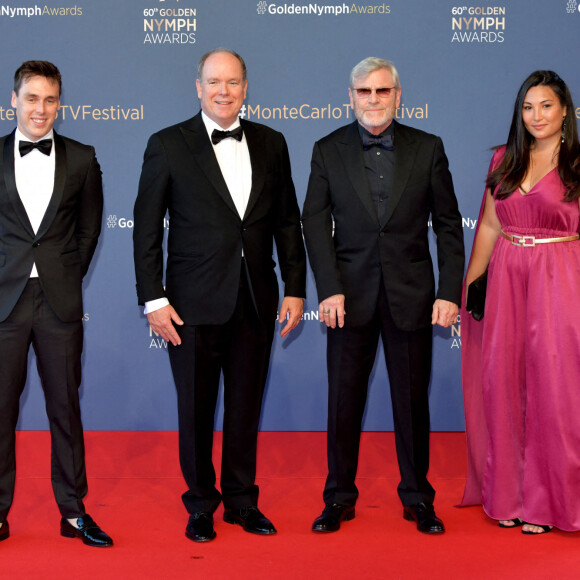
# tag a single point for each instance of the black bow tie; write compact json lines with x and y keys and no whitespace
{"x":236,"y":134}
{"x":384,"y":141}
{"x":44,"y":146}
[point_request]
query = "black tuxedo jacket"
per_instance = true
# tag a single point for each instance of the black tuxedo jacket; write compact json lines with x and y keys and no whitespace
{"x":181,"y":175}
{"x":361,"y":252}
{"x":66,"y":240}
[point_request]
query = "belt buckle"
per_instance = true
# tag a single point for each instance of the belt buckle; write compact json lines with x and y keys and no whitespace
{"x":524,"y":241}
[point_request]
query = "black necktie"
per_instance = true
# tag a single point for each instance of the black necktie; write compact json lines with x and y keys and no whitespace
{"x":44,"y":146}
{"x":384,"y":141}
{"x":217,"y":136}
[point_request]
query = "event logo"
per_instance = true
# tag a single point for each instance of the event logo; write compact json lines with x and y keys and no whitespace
{"x":455,"y":330}
{"x":572,"y":6}
{"x":124,"y":223}
{"x":315,"y":9}
{"x":310,"y":112}
{"x":478,"y":24}
{"x":88,"y":113}
{"x":156,"y":341}
{"x":468,"y":223}
{"x":311,"y":316}
{"x":36,"y":10}
{"x":169,"y":25}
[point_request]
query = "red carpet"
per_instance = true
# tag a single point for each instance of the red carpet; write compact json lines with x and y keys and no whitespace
{"x":134,"y":494}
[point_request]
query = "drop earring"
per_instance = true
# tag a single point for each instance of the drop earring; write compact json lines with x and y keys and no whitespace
{"x":563,"y":129}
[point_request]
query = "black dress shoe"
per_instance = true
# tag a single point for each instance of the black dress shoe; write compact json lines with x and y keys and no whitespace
{"x":200,"y":527}
{"x":332,"y":515}
{"x":88,"y":531}
{"x":424,"y":515}
{"x":251,"y":519}
{"x":4,"y":531}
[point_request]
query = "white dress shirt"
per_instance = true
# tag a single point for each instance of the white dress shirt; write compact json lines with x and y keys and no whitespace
{"x":35,"y":181}
{"x":233,"y":158}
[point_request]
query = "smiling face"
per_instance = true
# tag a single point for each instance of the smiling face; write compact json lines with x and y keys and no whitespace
{"x":37,"y":104}
{"x":375,"y":112}
{"x":542,"y":113}
{"x":222,"y":88}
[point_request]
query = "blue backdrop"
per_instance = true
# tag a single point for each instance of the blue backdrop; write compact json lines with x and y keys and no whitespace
{"x":129,"y":69}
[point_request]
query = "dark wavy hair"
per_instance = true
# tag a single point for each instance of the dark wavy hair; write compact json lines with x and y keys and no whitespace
{"x":510,"y":173}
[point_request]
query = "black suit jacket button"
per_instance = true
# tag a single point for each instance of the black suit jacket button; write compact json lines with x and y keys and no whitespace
{"x":382,"y":234}
{"x":36,"y":244}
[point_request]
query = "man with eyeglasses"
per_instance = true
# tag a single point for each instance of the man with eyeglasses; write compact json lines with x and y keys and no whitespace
{"x":378,"y":182}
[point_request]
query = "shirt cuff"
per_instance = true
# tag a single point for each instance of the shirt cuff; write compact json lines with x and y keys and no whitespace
{"x":153,"y":305}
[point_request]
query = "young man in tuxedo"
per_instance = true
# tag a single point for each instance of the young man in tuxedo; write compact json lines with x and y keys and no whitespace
{"x":227,"y":186}
{"x":51,"y":204}
{"x":378,"y":182}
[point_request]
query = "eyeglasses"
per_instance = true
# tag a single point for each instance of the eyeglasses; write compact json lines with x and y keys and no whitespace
{"x":365,"y":92}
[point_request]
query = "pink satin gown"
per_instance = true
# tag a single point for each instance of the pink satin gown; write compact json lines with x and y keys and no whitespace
{"x":529,"y":372}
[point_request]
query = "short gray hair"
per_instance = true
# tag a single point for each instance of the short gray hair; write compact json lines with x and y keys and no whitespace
{"x":371,"y":64}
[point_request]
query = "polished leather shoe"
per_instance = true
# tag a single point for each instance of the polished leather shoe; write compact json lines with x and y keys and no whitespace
{"x":424,"y":514}
{"x":200,"y":527}
{"x":331,"y":517}
{"x":88,"y":531}
{"x":4,"y":531}
{"x":251,"y":519}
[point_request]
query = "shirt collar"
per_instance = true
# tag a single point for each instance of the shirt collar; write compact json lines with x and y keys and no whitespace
{"x":18,"y":136}
{"x":210,"y":124}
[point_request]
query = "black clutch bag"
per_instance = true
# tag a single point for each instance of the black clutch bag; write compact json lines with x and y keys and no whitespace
{"x":476,"y":297}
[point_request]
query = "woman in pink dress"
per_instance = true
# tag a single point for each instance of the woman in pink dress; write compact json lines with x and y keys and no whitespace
{"x":521,"y":363}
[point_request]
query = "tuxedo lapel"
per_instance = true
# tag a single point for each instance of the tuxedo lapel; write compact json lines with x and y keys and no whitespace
{"x":10,"y":184}
{"x":58,"y":189}
{"x":258,"y":167}
{"x":350,"y":149}
{"x":405,"y":153}
{"x":197,"y":139}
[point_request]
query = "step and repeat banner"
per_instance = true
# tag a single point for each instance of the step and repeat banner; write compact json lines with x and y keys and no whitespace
{"x":129,"y":70}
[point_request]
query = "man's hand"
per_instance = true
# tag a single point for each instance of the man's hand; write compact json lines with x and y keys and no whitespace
{"x":294,"y":307}
{"x":331,"y":311}
{"x":161,"y":322}
{"x":444,"y":313}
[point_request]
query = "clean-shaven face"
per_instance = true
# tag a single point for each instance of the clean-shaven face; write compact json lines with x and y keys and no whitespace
{"x":542,"y":113}
{"x":222,"y":89}
{"x":37,"y":104}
